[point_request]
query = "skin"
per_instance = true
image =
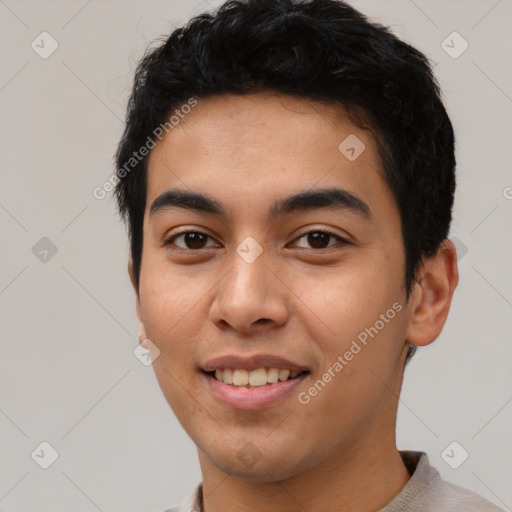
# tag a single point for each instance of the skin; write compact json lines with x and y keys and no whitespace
{"x":297,"y":301}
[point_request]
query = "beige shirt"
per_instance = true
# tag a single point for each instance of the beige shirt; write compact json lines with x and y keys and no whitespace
{"x":424,"y":492}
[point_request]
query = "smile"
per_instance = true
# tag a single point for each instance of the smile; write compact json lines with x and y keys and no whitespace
{"x":251,"y":397}
{"x":259,"y":377}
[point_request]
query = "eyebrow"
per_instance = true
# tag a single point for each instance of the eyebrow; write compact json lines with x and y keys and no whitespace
{"x":326,"y":198}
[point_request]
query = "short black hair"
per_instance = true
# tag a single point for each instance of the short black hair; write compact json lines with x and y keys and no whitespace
{"x":321,"y":50}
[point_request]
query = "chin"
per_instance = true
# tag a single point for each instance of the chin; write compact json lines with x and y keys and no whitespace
{"x":250,"y":464}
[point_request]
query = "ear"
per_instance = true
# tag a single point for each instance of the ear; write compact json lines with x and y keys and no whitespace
{"x":142,"y":329}
{"x":432,"y":295}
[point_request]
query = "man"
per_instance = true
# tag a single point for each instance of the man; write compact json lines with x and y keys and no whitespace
{"x":287,"y":173}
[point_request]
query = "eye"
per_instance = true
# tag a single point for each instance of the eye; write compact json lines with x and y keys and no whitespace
{"x":320,"y":239}
{"x":195,"y":240}
{"x":190,"y":240}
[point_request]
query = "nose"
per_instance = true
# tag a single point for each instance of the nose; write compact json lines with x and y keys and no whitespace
{"x":250,"y":298}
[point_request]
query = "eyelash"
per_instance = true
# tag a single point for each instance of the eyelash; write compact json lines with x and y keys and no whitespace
{"x":169,"y":241}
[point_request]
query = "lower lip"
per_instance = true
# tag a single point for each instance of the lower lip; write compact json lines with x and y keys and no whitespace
{"x":252,"y":398}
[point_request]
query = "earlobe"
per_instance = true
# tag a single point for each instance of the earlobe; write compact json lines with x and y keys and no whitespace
{"x":131,"y":273}
{"x":432,"y":295}
{"x":142,"y":329}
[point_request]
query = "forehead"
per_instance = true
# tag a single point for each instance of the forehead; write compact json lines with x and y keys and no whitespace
{"x":242,"y":149}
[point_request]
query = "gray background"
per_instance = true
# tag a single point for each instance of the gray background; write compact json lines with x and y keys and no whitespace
{"x":68,"y":375}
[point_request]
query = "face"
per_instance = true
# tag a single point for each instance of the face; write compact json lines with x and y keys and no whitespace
{"x":247,"y":283}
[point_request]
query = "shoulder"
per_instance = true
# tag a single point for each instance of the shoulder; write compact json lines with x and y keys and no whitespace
{"x":181,"y":508}
{"x":427,"y":492}
{"x":448,"y":496}
{"x":191,"y":503}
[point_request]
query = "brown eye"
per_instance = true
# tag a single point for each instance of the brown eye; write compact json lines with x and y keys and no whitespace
{"x":320,"y":239}
{"x":189,"y":240}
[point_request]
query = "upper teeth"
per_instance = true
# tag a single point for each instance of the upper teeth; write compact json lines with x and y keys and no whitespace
{"x":259,"y":377}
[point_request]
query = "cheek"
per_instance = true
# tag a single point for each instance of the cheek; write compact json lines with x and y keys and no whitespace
{"x":361,"y":314}
{"x":171,"y":311}
{"x":168,"y":299}
{"x":345,"y":300}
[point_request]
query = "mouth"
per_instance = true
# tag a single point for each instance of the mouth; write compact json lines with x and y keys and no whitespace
{"x":252,"y":382}
{"x":257,"y":378}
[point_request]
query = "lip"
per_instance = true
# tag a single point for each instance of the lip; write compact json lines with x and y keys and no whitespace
{"x":251,"y":399}
{"x":252,"y":363}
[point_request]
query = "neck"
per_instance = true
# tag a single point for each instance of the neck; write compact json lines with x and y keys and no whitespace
{"x":364,"y":479}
